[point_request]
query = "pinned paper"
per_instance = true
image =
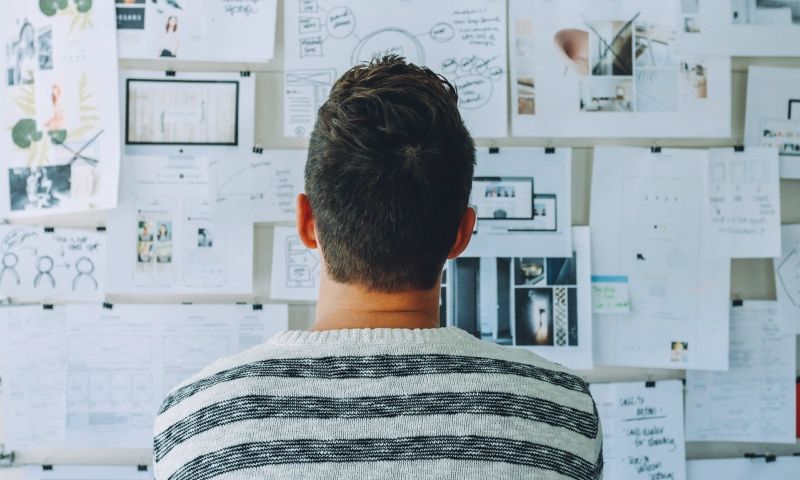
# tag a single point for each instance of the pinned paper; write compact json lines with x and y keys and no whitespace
{"x":610,"y":294}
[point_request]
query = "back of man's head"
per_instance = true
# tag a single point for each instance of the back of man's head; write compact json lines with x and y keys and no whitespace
{"x":388,"y":177}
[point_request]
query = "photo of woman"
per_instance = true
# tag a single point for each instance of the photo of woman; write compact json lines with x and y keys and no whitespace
{"x":171,"y":40}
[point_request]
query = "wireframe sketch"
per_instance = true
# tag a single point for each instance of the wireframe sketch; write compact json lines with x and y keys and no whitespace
{"x":190,"y":112}
{"x":302,"y":269}
{"x":51,"y":265}
{"x":610,"y":68}
{"x":788,"y":273}
{"x":462,"y":41}
{"x":62,"y":95}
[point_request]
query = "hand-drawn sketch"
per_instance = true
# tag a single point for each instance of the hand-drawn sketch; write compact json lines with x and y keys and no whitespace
{"x":742,"y":27}
{"x":611,"y":68}
{"x":42,"y":264}
{"x":164,"y":239}
{"x":465,"y":42}
{"x":185,"y":112}
{"x":59,"y":105}
{"x":199,"y":30}
{"x":787,"y":278}
{"x":256,"y":188}
{"x":295,"y":268}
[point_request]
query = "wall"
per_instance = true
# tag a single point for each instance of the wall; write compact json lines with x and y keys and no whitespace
{"x":752,"y":279}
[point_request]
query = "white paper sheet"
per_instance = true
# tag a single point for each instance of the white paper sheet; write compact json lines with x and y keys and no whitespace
{"x":542,"y":304}
{"x":754,"y":400}
{"x":498,"y":176}
{"x":783,"y":468}
{"x":295,"y":268}
{"x":86,"y":472}
{"x":60,"y":118}
{"x":257,"y":187}
{"x":47,"y":265}
{"x":642,"y":430}
{"x":162,"y":237}
{"x":33,"y":355}
{"x":744,"y":203}
{"x":648,"y":224}
{"x":611,"y":68}
{"x":465,"y":40}
{"x":87,"y":376}
{"x":787,"y":279}
{"x":773,"y":114}
{"x":240,"y":31}
{"x":746,"y":28}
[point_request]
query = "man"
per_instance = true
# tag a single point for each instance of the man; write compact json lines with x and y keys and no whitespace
{"x":375,"y":390}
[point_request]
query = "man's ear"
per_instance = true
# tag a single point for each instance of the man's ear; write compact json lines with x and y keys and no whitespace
{"x":305,"y":222}
{"x":464,"y":234}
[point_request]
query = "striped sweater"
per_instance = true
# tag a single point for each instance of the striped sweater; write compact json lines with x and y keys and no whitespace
{"x":379,"y":404}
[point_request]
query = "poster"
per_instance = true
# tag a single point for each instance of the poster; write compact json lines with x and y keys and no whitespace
{"x":240,"y":31}
{"x":611,"y":68}
{"x":536,"y":302}
{"x":59,"y":112}
{"x":464,"y":40}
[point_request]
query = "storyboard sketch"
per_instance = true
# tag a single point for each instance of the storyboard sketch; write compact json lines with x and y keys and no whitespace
{"x":241,"y":31}
{"x":58,"y":104}
{"x":116,"y":363}
{"x":772,"y":116}
{"x":744,"y":203}
{"x":746,"y":28}
{"x":642,"y":430}
{"x":540,"y":303}
{"x":648,"y":225}
{"x":162,"y":237}
{"x":465,"y":40}
{"x":782,"y":468}
{"x":47,"y":264}
{"x":522,"y":197}
{"x":196,"y":113}
{"x":611,"y":68}
{"x":295,"y":268}
{"x":787,"y":279}
{"x":253,"y":188}
{"x":754,"y":401}
{"x":86,"y":472}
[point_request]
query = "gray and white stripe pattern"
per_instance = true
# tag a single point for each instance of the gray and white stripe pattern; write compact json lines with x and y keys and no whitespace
{"x":381,"y":403}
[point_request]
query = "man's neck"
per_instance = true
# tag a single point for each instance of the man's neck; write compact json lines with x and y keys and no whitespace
{"x":343,"y":306}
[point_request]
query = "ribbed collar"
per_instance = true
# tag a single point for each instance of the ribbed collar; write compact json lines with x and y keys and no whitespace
{"x":370,"y":336}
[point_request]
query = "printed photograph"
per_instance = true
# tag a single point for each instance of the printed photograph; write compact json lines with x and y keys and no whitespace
{"x":163,"y":243}
{"x":561,"y":271}
{"x":693,"y":80}
{"x":529,"y":271}
{"x":144,"y":242}
{"x":21,"y":58}
{"x":611,"y":47}
{"x":656,"y":90}
{"x":472,"y":309}
{"x":679,"y":352}
{"x":44,"y":43}
{"x":39,"y":187}
{"x":606,"y":94}
{"x":204,"y":239}
{"x":534,"y":316}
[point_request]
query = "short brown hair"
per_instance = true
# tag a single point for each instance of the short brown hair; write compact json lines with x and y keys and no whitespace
{"x":389,"y":175}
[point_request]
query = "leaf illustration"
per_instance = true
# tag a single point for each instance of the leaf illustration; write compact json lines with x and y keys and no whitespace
{"x":83,"y":6}
{"x":24,"y":133}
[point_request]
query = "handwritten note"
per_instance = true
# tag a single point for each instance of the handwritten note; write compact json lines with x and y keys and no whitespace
{"x":754,"y":400}
{"x":642,"y":430}
{"x":610,"y":294}
{"x":744,"y":203}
